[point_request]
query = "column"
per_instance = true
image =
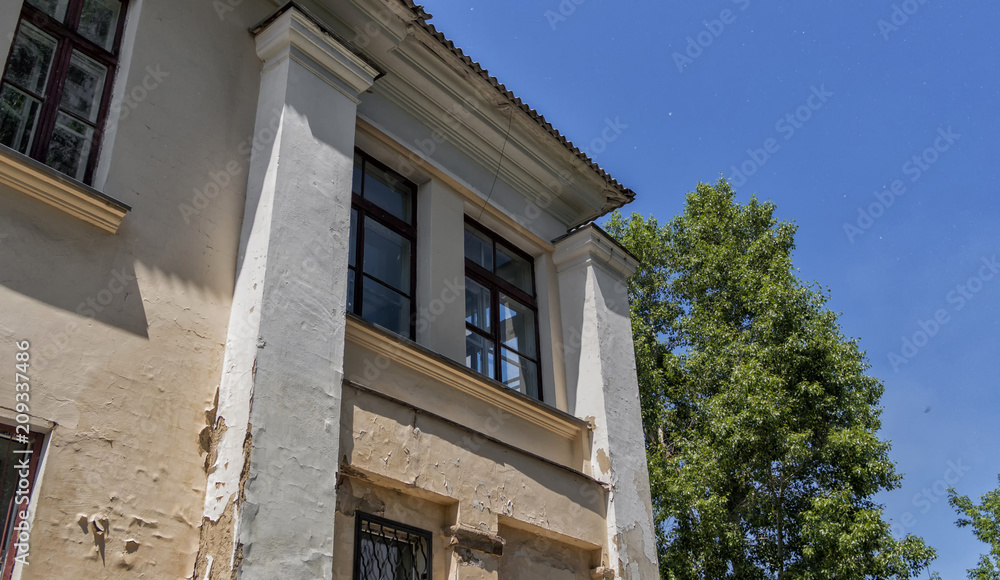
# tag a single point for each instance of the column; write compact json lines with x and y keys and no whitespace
{"x":602,"y":386}
{"x":274,"y":474}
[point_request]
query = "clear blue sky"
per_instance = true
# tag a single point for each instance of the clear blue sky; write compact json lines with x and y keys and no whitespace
{"x":924,"y":83}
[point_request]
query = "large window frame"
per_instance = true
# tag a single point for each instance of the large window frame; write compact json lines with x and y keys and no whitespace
{"x":363,"y":211}
{"x":497,"y":285}
{"x":413,"y":543}
{"x":69,"y":40}
{"x":9,"y":481}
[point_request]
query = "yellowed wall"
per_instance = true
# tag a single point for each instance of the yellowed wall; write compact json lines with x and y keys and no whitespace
{"x":420,"y":469}
{"x":127,"y":330}
{"x":527,"y":555}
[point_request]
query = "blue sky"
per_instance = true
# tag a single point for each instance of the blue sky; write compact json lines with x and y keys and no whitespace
{"x":843,"y":113}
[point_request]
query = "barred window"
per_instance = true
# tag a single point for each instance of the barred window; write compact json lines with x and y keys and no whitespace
{"x":385,"y":550}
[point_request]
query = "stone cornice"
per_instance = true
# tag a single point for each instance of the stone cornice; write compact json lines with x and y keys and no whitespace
{"x":48,"y":185}
{"x":292,"y":33}
{"x":592,"y":245}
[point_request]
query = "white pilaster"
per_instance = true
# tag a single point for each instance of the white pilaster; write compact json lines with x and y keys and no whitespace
{"x":441,"y":270}
{"x":280,"y":395}
{"x":601,"y":384}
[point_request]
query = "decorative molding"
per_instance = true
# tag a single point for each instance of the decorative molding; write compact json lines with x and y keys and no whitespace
{"x":592,"y":245}
{"x":48,"y":185}
{"x":445,"y":371}
{"x":526,"y":130}
{"x":293,"y":34}
{"x":471,"y":129}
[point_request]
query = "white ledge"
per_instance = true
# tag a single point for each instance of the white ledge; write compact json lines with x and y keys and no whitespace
{"x":48,"y":185}
{"x":450,"y":373}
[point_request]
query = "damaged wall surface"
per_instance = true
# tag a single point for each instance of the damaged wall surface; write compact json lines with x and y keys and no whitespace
{"x":127,"y":330}
{"x":211,"y":406}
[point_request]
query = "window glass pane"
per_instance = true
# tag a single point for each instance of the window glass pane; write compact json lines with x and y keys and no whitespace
{"x":478,"y":247}
{"x":518,"y":373}
{"x":350,"y":291}
{"x":477,"y":305}
{"x":514,"y":269}
{"x":356,"y":180}
{"x":84,"y":87}
{"x":54,"y":8}
{"x":517,"y":326}
{"x":479,"y":353}
{"x":99,"y":21}
{"x":375,"y":558}
{"x":31,"y":59}
{"x":382,"y":306}
{"x":69,"y":148}
{"x":18,"y":117}
{"x":388,"y":192}
{"x":387,"y":256}
{"x":352,"y":257}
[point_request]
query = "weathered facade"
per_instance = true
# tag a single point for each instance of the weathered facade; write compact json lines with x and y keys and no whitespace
{"x":310,"y":295}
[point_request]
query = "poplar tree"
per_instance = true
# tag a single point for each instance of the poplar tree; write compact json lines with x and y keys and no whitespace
{"x":760,"y":420}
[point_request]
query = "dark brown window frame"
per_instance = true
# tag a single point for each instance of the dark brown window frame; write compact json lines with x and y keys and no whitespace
{"x":496,"y":285}
{"x":9,"y":550}
{"x":68,"y":40}
{"x":368,"y":210}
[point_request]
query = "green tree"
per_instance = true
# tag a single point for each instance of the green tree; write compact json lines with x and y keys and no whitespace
{"x":985,"y":521}
{"x":760,"y":420}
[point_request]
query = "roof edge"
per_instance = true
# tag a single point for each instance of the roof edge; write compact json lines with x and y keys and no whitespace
{"x":624,"y":194}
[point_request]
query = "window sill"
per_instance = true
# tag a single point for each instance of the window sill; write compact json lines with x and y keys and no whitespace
{"x":49,"y":186}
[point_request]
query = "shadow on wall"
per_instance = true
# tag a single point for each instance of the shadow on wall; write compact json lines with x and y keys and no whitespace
{"x":51,"y":257}
{"x":407,"y":444}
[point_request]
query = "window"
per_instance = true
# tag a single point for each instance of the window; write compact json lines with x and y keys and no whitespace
{"x":16,"y":451}
{"x":501,"y":314}
{"x":56,"y":86}
{"x":382,"y":264}
{"x":384,"y":550}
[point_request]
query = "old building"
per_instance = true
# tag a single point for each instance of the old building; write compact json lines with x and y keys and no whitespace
{"x":301,"y":291}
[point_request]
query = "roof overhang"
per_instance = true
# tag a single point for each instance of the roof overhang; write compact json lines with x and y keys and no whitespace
{"x":431,"y":79}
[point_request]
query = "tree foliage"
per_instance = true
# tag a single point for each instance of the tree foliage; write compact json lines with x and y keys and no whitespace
{"x":760,"y":421}
{"x":985,"y":521}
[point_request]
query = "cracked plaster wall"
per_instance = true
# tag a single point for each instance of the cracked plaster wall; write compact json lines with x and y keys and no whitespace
{"x":127,"y":330}
{"x":392,"y":446}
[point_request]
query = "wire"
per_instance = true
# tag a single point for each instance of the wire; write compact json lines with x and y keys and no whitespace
{"x":510,"y":122}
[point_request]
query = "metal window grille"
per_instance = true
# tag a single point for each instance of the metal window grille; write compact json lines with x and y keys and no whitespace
{"x":385,"y":550}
